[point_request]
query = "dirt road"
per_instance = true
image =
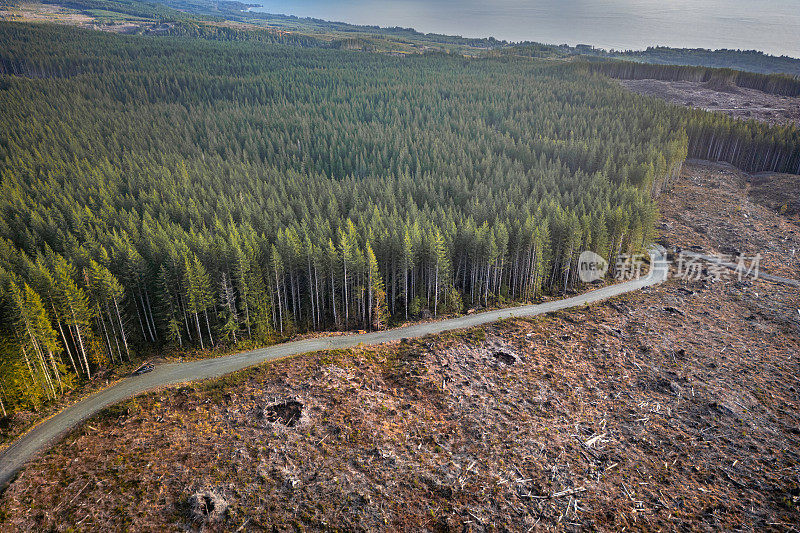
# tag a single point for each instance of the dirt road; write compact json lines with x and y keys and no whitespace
{"x":44,"y":434}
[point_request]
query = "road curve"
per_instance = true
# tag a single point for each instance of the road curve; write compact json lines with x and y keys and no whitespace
{"x":45,"y":433}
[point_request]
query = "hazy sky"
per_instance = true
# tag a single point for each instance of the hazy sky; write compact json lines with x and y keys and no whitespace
{"x":769,"y":25}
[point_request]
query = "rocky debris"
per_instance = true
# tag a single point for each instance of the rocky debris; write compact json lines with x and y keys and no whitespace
{"x":778,"y":192}
{"x":733,"y":219}
{"x":506,"y":357}
{"x":207,"y":506}
{"x":721,"y":97}
{"x":722,"y":85}
{"x":286,"y":412}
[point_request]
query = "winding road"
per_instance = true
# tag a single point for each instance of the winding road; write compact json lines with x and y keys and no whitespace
{"x":47,"y":432}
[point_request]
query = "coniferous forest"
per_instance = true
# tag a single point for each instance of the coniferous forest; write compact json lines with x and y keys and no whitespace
{"x":175,"y":192}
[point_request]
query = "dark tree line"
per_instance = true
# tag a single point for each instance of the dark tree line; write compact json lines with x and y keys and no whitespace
{"x":750,"y":145}
{"x":744,"y":60}
{"x":781,"y":84}
{"x":162,"y":192}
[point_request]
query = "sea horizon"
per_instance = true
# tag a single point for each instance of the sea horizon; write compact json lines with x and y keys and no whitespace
{"x":771,"y":28}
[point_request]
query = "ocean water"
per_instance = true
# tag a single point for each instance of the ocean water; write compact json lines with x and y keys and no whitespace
{"x":772,"y":26}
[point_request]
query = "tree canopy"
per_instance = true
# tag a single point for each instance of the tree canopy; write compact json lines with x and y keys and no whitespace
{"x":179,"y":191}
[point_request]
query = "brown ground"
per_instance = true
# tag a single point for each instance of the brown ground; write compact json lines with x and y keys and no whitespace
{"x":38,"y":12}
{"x":122,"y":23}
{"x":734,"y":101}
{"x":673,"y":408}
{"x":717,"y":209}
{"x":779,"y":192}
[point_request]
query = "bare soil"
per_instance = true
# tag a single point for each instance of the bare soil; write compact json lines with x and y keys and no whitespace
{"x":126,"y":24}
{"x":38,"y":12}
{"x":734,"y":101}
{"x":675,"y":408}
{"x":779,"y":192}
{"x":717,"y":209}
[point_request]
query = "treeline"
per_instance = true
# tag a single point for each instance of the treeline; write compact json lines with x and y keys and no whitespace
{"x":29,"y":54}
{"x":750,"y":145}
{"x":537,"y":50}
{"x":781,"y":84}
{"x":747,"y":60}
{"x":234,"y":10}
{"x":148,"y":10}
{"x":227,"y":33}
{"x":169,"y":192}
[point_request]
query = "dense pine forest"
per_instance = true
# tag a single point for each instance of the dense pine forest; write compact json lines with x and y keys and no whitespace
{"x":178,"y":193}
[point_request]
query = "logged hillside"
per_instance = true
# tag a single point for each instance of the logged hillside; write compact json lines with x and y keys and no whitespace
{"x":185,"y":192}
{"x":743,"y":104}
{"x":751,"y":146}
{"x":670,"y":409}
{"x":782,"y":84}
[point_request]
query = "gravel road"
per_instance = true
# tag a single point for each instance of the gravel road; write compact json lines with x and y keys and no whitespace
{"x":46,"y":433}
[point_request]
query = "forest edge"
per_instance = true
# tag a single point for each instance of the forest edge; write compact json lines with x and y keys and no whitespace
{"x":41,"y":436}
